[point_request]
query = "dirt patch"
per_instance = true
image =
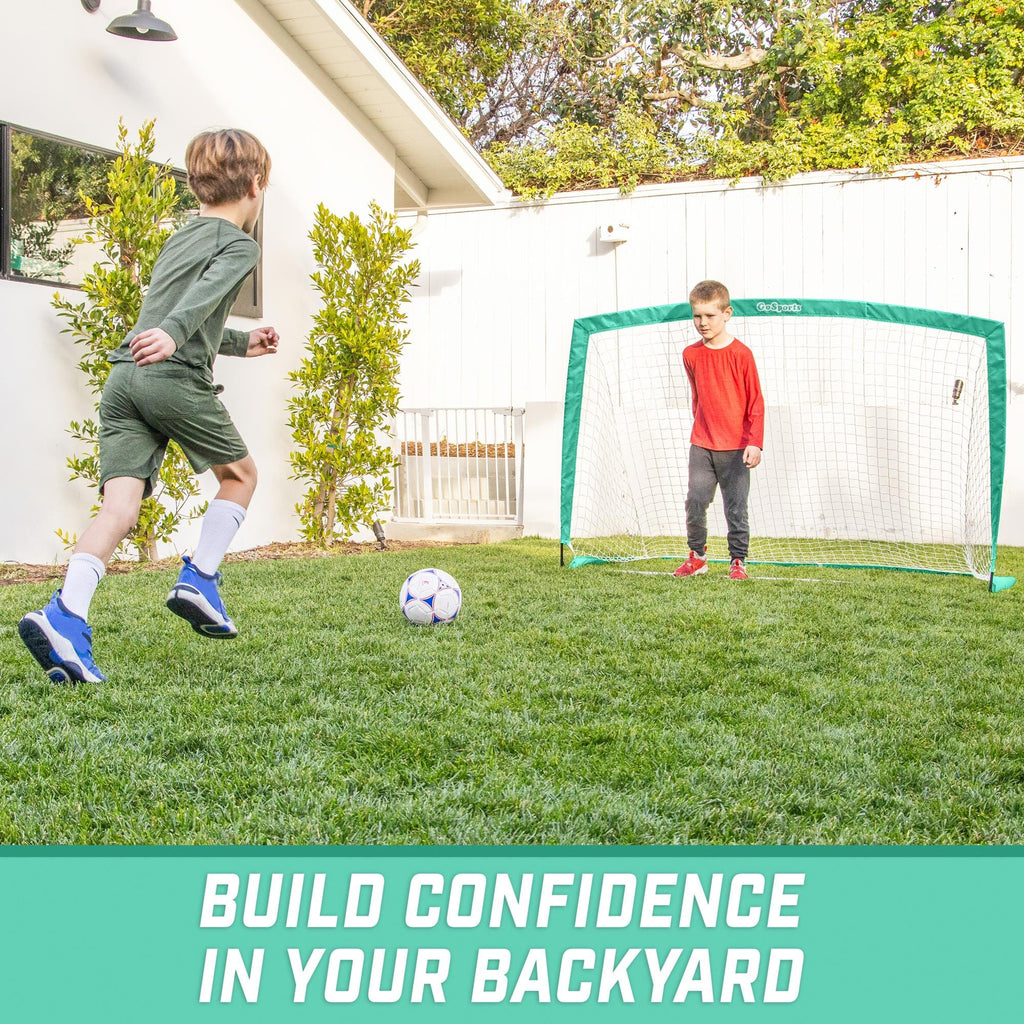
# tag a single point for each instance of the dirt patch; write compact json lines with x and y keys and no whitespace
{"x":15,"y":572}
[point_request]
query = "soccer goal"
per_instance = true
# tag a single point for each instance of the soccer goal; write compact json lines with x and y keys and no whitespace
{"x":884,"y":437}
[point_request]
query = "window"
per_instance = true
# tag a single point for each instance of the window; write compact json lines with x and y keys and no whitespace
{"x":42,"y":180}
{"x":43,"y":208}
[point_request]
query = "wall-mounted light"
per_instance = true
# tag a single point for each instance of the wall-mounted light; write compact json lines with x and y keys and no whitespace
{"x":614,"y":233}
{"x":141,"y":25}
{"x":92,"y":6}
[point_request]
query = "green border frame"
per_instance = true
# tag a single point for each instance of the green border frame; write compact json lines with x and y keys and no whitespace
{"x":993,"y":332}
{"x":877,"y":931}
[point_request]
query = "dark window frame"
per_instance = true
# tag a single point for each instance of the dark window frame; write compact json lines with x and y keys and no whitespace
{"x":250,"y":300}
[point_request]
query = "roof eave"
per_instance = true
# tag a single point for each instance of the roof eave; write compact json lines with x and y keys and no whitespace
{"x":461,"y":177}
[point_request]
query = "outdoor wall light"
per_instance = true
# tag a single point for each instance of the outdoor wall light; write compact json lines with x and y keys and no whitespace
{"x":140,"y":25}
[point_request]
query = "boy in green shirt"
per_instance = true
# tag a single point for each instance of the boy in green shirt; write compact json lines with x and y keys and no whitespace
{"x":161,"y":388}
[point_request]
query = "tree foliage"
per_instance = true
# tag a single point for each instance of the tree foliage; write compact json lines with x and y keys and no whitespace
{"x":574,"y":155}
{"x":48,"y":182}
{"x":500,"y":68}
{"x":49,"y":179}
{"x":347,"y":390}
{"x":458,"y":51}
{"x":131,"y":226}
{"x":730,"y":88}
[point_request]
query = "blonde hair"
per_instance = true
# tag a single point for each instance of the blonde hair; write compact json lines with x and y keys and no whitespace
{"x":222,"y":164}
{"x":710,"y":291}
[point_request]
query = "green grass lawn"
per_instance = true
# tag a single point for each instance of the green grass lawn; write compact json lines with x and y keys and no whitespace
{"x":583,"y":706}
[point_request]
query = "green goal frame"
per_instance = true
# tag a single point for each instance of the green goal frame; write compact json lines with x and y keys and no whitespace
{"x":992,"y":332}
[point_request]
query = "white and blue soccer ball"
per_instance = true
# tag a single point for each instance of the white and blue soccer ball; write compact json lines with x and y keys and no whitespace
{"x":429,"y":596}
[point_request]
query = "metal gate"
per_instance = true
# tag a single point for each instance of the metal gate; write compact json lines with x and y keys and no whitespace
{"x":459,"y":465}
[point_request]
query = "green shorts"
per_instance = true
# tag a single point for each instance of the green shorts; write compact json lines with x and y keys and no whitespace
{"x":143,"y":407}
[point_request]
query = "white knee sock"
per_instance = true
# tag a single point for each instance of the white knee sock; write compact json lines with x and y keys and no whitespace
{"x":220,"y":524}
{"x":83,"y":577}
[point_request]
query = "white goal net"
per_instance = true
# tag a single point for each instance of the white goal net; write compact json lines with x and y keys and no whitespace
{"x":883,"y":437}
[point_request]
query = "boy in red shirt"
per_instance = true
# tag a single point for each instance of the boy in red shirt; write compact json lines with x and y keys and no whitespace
{"x":728,"y":429}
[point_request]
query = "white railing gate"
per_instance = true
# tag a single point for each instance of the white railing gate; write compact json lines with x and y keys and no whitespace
{"x":459,"y":465}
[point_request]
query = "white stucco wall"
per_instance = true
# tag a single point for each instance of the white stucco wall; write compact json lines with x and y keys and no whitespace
{"x":65,"y":75}
{"x":492,"y":315}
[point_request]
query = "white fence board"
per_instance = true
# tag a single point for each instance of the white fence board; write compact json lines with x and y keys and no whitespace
{"x":914,"y":196}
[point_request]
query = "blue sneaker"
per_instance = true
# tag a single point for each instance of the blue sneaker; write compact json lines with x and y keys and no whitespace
{"x":61,"y":642}
{"x":196,"y":599}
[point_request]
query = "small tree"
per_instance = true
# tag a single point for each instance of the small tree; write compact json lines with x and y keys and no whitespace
{"x":347,"y":382}
{"x":131,"y":227}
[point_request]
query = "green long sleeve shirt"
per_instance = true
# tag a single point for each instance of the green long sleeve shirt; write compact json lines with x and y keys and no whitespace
{"x":195,"y":281}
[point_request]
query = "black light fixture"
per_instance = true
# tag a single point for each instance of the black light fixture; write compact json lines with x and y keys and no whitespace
{"x":92,"y":6}
{"x":142,"y":25}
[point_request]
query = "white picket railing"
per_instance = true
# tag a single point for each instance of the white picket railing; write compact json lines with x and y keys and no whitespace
{"x":459,"y":465}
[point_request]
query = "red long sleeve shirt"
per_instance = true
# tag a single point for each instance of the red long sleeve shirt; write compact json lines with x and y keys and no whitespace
{"x":728,"y":407}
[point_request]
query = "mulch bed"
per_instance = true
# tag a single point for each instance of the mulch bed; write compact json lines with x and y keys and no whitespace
{"x":14,"y":572}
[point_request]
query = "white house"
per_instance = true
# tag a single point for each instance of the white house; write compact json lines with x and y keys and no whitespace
{"x":345,"y":124}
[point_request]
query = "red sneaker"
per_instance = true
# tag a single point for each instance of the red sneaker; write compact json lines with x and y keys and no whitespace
{"x":693,"y":566}
{"x":738,"y":571}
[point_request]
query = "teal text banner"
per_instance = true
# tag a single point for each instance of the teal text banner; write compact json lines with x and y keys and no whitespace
{"x":517,"y":934}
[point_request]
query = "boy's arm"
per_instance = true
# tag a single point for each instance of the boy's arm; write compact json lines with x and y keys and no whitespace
{"x":754,"y":412}
{"x":152,"y":346}
{"x":693,"y":383}
{"x":156,"y":345}
{"x":260,"y":342}
{"x":234,"y":343}
{"x":229,"y":266}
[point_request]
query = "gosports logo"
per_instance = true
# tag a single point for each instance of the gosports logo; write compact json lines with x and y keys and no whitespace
{"x":779,"y":307}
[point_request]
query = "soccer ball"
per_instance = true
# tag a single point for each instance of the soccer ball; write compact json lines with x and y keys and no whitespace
{"x":429,"y":596}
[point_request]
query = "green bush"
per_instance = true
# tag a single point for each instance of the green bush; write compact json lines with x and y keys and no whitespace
{"x":347,"y":391}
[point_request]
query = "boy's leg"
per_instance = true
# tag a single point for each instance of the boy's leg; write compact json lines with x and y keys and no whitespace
{"x":237,"y":481}
{"x":119,"y":512}
{"x":700,"y":492}
{"x":58,"y":636}
{"x":81,"y":579}
{"x":225,"y":514}
{"x":195,"y":596}
{"x":734,"y":478}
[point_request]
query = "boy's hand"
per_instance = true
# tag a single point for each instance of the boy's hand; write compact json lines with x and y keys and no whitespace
{"x":152,"y":346}
{"x":751,"y":456}
{"x":262,"y":342}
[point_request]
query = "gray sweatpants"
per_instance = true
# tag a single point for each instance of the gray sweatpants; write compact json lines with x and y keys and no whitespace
{"x":709,"y":470}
